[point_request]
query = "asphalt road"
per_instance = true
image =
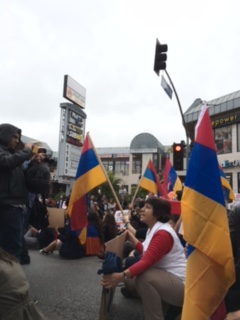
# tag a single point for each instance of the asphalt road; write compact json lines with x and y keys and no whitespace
{"x":70,"y":289}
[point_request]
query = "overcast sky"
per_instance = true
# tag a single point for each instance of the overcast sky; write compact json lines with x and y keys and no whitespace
{"x":108,"y":46}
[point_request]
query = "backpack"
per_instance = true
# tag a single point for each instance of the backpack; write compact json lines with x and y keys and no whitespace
{"x":38,"y":177}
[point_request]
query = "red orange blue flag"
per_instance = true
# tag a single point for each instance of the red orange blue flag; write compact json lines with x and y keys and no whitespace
{"x":171,"y":180}
{"x":150,"y":181}
{"x":210,"y":267}
{"x":90,"y":174}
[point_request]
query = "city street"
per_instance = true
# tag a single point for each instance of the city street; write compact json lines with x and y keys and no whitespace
{"x":70,"y":289}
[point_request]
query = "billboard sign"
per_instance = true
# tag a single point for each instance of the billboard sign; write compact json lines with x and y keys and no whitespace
{"x":74,"y":92}
{"x":72,"y":132}
{"x":75,"y":129}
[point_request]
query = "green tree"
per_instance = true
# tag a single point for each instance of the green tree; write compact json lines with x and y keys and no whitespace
{"x":142,"y":193}
{"x":105,"y":188}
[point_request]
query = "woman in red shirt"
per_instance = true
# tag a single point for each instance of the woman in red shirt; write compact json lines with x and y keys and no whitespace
{"x":160,"y":273}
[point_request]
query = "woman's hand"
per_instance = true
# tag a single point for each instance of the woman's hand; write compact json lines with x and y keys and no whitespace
{"x":111,"y":280}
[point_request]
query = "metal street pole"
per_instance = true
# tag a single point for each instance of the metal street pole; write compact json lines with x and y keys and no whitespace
{"x":183,"y":120}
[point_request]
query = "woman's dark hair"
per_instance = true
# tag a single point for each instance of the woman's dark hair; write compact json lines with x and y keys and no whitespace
{"x":109,"y":227}
{"x":6,"y":257}
{"x":93,"y":219}
{"x":161,"y":208}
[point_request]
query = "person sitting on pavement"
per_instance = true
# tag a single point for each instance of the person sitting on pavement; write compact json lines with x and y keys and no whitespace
{"x":37,"y":239}
{"x":69,"y":246}
{"x":159,"y":275}
{"x":31,"y":239}
{"x":15,"y":302}
{"x":95,"y":236}
{"x":110,"y":229}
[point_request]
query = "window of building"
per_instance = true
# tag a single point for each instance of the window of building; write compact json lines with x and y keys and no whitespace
{"x":223,"y":139}
{"x":108,"y":165}
{"x":137,"y":164}
{"x":238,"y":182}
{"x":228,"y":176}
{"x":238,"y":137}
{"x":121,"y":167}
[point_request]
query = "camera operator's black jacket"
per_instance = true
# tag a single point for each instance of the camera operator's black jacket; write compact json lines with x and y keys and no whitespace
{"x":12,"y":180}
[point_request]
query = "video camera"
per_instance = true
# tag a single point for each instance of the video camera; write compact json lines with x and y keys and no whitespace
{"x":48,"y":158}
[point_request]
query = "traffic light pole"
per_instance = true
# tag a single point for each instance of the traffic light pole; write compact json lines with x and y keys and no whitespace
{"x":183,"y":120}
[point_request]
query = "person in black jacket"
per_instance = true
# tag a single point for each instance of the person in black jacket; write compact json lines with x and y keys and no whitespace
{"x":13,"y":192}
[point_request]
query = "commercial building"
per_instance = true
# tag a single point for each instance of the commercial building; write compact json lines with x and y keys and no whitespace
{"x":128,"y":163}
{"x":225,"y":117}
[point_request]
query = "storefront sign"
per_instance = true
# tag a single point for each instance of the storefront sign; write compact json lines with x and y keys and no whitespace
{"x":229,"y":164}
{"x":225,"y":121}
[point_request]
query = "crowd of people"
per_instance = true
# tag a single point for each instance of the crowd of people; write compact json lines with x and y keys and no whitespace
{"x":154,"y":260}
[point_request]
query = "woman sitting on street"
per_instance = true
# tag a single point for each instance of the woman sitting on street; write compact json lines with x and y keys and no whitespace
{"x":110,"y":229}
{"x":160,"y":273}
{"x":69,"y":245}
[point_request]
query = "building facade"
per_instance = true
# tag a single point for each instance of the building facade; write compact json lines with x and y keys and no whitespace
{"x":225,"y":118}
{"x":128,"y":163}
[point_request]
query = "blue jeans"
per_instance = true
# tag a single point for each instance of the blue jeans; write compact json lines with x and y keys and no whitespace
{"x":11,"y":229}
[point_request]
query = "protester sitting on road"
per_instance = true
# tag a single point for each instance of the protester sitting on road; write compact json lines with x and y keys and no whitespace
{"x":160,"y":273}
{"x":95,"y":236}
{"x":111,"y":206}
{"x":69,"y":246}
{"x":37,"y":239}
{"x":110,"y":229}
{"x":31,"y":239}
{"x":15,"y":302}
{"x":134,"y":214}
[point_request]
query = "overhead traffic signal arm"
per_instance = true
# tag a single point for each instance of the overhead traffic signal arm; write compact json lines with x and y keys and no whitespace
{"x":160,"y":57}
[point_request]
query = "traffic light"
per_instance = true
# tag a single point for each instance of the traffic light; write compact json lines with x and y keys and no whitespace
{"x":160,"y":57}
{"x":178,"y":154}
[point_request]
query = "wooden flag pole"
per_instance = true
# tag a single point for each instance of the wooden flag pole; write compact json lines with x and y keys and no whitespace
{"x":108,"y":180}
{"x":136,"y":191}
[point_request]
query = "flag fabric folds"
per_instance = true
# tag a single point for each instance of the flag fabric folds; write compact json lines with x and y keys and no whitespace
{"x":89,"y":175}
{"x":210,"y":267}
{"x":227,"y":190}
{"x":171,"y":180}
{"x":150,"y":181}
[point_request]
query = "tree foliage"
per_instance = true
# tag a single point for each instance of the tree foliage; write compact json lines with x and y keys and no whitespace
{"x":105,"y":188}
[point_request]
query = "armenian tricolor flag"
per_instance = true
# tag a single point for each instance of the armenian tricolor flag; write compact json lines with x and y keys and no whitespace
{"x":89,"y":175}
{"x":210,"y":267}
{"x":171,"y":180}
{"x":227,"y":190}
{"x":150,"y":181}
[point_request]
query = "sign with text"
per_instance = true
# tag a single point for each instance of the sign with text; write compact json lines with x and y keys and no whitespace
{"x":74,"y":92}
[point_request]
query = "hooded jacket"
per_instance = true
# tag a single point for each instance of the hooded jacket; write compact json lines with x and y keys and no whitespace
{"x":12,"y":180}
